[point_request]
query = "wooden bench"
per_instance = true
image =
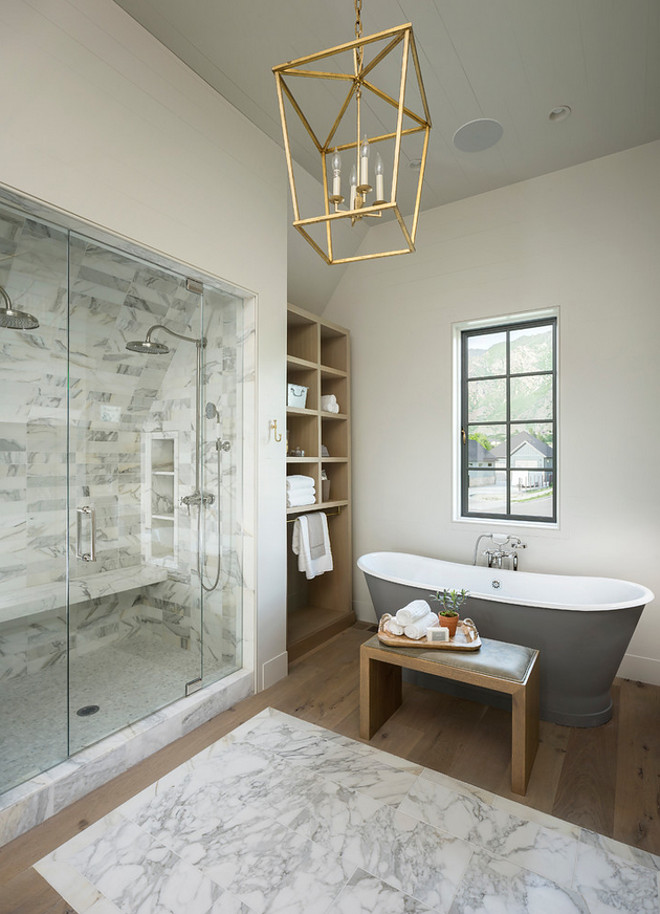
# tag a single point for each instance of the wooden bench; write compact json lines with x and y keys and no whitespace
{"x":501,"y":667}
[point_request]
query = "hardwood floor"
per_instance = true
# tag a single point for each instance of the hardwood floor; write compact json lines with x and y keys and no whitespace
{"x":606,"y":779}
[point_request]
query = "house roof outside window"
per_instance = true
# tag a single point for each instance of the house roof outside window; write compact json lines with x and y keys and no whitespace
{"x":519,"y":440}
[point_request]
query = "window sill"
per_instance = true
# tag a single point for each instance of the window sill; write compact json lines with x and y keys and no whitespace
{"x":491,"y":522}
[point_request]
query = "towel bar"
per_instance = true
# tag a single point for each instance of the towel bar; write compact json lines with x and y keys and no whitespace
{"x":304,"y":510}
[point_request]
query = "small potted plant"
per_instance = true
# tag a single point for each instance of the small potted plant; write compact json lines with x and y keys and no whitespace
{"x":451,"y":600}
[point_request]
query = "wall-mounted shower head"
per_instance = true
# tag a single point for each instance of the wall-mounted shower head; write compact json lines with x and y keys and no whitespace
{"x":148,"y":346}
{"x":211,"y":411}
{"x":15,"y":320}
{"x":153,"y":347}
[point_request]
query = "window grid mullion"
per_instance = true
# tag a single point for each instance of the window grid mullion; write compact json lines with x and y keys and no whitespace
{"x":465,"y":473}
{"x":513,"y":374}
{"x":507,"y":423}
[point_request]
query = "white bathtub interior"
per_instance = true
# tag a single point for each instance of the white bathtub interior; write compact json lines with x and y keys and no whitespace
{"x":553,"y":591}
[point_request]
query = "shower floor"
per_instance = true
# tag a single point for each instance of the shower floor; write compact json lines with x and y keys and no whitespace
{"x":127,"y":680}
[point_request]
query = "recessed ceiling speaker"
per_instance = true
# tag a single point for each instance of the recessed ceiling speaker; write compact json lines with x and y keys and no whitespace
{"x":477,"y":135}
{"x":560,"y":113}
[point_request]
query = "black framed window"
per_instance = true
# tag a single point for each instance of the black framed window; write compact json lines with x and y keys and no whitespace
{"x":509,"y":421}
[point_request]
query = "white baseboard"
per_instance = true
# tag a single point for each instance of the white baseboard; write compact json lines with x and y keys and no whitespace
{"x":364,"y":611}
{"x":642,"y":669}
{"x":275,"y":669}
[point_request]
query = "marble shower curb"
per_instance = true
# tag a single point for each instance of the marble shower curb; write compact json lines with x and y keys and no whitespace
{"x":29,"y":804}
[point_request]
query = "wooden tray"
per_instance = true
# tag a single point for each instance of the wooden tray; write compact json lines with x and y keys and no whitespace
{"x":458,"y":643}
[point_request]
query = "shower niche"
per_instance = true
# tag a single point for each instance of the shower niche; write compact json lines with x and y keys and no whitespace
{"x":122,"y":546}
{"x":162,"y":490}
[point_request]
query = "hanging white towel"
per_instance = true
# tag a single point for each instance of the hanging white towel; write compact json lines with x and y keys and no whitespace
{"x":311,"y":543}
{"x":300,"y":498}
{"x":417,"y":630}
{"x":412,"y":612}
{"x":293,"y":483}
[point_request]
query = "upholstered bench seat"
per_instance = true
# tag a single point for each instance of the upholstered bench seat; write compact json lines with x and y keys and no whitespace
{"x":497,"y":665}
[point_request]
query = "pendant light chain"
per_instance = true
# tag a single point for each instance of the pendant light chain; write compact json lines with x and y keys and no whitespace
{"x":358,"y":32}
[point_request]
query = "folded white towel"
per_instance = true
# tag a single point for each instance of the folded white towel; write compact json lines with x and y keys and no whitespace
{"x":301,"y":544}
{"x":412,"y":612}
{"x":297,"y":499}
{"x":417,"y":630}
{"x":393,"y":627}
{"x":329,"y":404}
{"x":299,"y":482}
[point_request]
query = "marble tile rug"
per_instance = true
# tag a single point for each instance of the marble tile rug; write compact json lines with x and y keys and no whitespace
{"x":283,"y":816}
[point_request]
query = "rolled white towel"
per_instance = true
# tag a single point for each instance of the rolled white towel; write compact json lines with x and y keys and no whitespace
{"x":299,"y":482}
{"x":412,"y":612}
{"x":417,"y":630}
{"x":393,"y":627}
{"x":329,"y":404}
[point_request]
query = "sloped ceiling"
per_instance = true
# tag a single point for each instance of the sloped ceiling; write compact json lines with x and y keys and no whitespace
{"x":511,"y":60}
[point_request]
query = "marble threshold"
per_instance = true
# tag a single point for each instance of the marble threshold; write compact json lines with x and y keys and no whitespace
{"x":28,"y":804}
{"x":282,"y":815}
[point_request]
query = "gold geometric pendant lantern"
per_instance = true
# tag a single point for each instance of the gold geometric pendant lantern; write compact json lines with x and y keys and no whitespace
{"x":365,"y":135}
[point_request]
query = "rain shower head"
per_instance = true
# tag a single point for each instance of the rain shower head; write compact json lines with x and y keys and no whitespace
{"x":148,"y":346}
{"x":15,"y":320}
{"x":153,"y":347}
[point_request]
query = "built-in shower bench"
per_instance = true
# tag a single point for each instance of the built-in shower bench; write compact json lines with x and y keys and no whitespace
{"x":30,"y":601}
{"x":498,"y":666}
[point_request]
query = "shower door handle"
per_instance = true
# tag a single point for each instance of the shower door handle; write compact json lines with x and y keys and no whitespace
{"x":86,"y":511}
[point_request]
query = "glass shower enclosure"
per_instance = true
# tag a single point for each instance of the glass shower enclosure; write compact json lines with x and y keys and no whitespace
{"x":120,"y":482}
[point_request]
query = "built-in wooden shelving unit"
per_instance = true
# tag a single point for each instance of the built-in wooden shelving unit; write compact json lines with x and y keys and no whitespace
{"x":318,"y":357}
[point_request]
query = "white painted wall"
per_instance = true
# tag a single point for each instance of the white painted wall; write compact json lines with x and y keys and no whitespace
{"x":586,"y":241}
{"x":311,"y":282}
{"x":100,"y":120}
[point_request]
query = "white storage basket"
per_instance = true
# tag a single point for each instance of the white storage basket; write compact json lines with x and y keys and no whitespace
{"x":296,"y":395}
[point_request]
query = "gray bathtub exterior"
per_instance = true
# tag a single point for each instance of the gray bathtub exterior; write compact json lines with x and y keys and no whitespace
{"x":580,"y":651}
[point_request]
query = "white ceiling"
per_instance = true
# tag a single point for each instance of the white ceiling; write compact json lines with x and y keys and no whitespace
{"x":511,"y":60}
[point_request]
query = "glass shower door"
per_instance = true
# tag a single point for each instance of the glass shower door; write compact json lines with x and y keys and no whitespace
{"x":33,"y":414}
{"x":134,"y":595}
{"x":121,"y":467}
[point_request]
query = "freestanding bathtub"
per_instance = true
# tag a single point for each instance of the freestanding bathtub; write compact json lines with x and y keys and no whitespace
{"x":581,"y":625}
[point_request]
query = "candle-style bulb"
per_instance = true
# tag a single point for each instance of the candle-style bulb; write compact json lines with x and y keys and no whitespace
{"x":353,"y":182}
{"x":380,"y":181}
{"x":336,"y":177}
{"x":353,"y":176}
{"x":364,"y":162}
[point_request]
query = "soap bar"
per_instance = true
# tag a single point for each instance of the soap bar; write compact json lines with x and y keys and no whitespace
{"x":437,"y":634}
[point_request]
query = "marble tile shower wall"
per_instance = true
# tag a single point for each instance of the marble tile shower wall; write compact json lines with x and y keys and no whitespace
{"x":117,"y":399}
{"x":224,"y":382}
{"x":33,"y":270}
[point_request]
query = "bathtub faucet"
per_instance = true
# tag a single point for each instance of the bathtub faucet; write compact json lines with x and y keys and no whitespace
{"x":499,"y":553}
